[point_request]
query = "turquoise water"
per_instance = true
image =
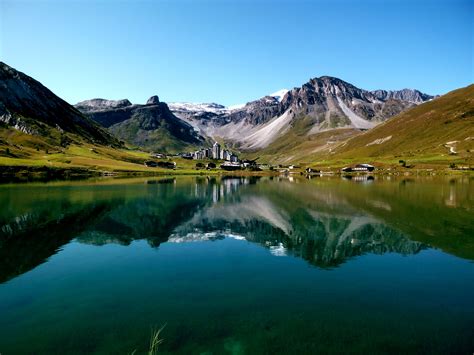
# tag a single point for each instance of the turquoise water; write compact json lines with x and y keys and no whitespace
{"x":238,"y":266}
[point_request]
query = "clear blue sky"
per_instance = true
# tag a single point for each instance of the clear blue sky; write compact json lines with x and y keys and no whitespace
{"x":232,"y":51}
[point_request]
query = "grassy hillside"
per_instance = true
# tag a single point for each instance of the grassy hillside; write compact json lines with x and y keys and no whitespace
{"x":31,"y":107}
{"x":66,"y":152}
{"x":438,"y":131}
{"x":161,"y":139}
{"x":152,"y":127}
{"x":296,"y":145}
{"x":434,"y":134}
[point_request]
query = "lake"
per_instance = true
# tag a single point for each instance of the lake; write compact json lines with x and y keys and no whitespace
{"x":238,"y":265}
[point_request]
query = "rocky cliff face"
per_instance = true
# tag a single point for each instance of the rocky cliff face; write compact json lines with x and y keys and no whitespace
{"x":256,"y":112}
{"x":409,"y":95}
{"x":96,"y":105}
{"x":337,"y":103}
{"x":151,"y":126}
{"x":26,"y":105}
{"x":323,"y":104}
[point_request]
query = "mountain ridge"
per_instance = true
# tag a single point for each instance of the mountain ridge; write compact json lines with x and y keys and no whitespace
{"x":30,"y":107}
{"x":325,"y":103}
{"x":444,"y":126}
{"x":150,"y":126}
{"x":322,"y":104}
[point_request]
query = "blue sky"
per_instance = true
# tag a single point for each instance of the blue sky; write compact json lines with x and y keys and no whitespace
{"x":232,"y":51}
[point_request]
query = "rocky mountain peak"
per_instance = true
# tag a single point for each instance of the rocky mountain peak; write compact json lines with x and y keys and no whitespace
{"x":101,"y":104}
{"x":154,"y":100}
{"x":410,"y":95}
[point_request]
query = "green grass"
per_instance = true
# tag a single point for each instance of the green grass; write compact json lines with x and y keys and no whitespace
{"x":27,"y":151}
{"x":26,"y":154}
{"x":155,"y":340}
{"x":420,"y":134}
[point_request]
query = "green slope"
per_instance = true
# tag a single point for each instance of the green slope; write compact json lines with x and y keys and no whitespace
{"x":434,"y":134}
{"x":424,"y":133}
{"x":296,"y":145}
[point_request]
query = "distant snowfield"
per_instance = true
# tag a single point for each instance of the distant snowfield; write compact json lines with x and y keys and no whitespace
{"x":216,"y":108}
{"x":280,"y":94}
{"x":197,"y":107}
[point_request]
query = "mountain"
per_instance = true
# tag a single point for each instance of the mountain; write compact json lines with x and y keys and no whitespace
{"x":151,"y":126}
{"x":26,"y":105}
{"x":320,"y":105}
{"x":438,"y":128}
{"x":409,"y":95}
{"x":44,"y":136}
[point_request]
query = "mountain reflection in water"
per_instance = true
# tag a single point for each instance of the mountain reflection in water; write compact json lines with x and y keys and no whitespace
{"x":325,"y":222}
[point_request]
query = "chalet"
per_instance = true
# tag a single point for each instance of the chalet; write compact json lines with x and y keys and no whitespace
{"x":160,"y":164}
{"x":249,"y":163}
{"x":159,"y":156}
{"x":231,"y":166}
{"x":151,"y":164}
{"x":167,"y":164}
{"x":358,"y":168}
{"x":187,"y":156}
{"x":312,"y":171}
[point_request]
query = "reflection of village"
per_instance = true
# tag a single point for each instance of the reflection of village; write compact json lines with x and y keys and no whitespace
{"x":218,"y":189}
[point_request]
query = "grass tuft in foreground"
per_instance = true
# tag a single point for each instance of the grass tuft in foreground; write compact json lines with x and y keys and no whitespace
{"x":155,"y":340}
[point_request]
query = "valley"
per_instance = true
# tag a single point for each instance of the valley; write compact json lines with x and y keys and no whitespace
{"x":326,"y":123}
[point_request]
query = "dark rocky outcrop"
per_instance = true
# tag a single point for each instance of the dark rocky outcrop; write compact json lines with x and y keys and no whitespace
{"x":101,"y":105}
{"x":154,"y":100}
{"x":26,"y":105}
{"x":151,"y":126}
{"x":257,"y":112}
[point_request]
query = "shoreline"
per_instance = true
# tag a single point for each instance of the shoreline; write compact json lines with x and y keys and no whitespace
{"x":13,"y":174}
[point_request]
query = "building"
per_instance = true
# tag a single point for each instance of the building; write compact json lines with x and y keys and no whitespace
{"x":216,"y":151}
{"x":198,"y":154}
{"x":249,"y":163}
{"x":225,"y":155}
{"x":358,"y":167}
{"x":212,"y":153}
{"x":233,"y":158}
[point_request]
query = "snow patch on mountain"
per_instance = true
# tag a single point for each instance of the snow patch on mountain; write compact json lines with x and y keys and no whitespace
{"x":197,"y":107}
{"x":280,"y":94}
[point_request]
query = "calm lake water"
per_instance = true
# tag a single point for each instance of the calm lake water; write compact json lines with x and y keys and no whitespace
{"x":238,"y":266}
